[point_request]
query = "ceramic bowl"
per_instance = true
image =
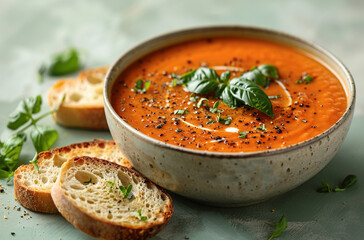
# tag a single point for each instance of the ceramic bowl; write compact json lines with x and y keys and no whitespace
{"x":228,"y":179}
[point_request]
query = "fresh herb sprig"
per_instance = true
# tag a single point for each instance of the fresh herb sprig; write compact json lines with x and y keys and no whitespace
{"x":139,"y":86}
{"x":305,"y":79}
{"x":62,"y":63}
{"x":237,"y":92}
{"x":281,"y":226}
{"x":349,"y":181}
{"x":127,"y":191}
{"x":42,"y":136}
{"x":141,"y":217}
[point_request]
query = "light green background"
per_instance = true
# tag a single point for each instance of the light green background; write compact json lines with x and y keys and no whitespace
{"x":32,"y":30}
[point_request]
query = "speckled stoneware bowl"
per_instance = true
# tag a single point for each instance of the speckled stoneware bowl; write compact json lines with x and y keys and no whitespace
{"x":228,"y":179}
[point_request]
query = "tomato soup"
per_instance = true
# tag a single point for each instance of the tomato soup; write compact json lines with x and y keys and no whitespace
{"x":301,"y":110}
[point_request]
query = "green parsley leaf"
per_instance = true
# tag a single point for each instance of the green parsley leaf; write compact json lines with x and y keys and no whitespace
{"x":65,"y":62}
{"x":23,"y":113}
{"x":142,"y":218}
{"x":111,"y":186}
{"x":242,"y":135}
{"x":180,"y":112}
{"x":127,"y":191}
{"x":274,"y":96}
{"x":43,"y":137}
{"x":281,"y":226}
{"x":225,"y":121}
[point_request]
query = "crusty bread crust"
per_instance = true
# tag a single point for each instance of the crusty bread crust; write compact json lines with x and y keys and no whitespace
{"x":84,"y":104}
{"x":39,"y":199}
{"x":95,"y":225}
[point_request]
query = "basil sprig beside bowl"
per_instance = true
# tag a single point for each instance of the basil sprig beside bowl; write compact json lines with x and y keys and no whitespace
{"x":237,"y":92}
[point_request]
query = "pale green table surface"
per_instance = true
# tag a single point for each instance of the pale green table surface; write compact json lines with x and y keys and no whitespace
{"x":32,"y":30}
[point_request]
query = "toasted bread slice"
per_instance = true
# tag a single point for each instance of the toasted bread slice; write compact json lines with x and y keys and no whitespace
{"x":33,"y":189}
{"x":87,"y":193}
{"x":83,"y":106}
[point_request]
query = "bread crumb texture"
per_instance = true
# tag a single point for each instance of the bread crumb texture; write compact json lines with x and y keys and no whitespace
{"x":93,"y":186}
{"x":50,"y":162}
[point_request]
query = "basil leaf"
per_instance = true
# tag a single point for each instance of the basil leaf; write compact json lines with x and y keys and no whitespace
{"x":219,"y":89}
{"x":185,"y":78}
{"x":4,"y":174}
{"x":225,"y":77}
{"x":281,"y":226}
{"x":255,"y":76}
{"x":10,"y":151}
{"x":242,"y":135}
{"x":64,"y":63}
{"x":200,"y":103}
{"x":180,"y":112}
{"x":269,"y":71}
{"x":229,"y":99}
{"x":203,"y":81}
{"x":251,"y":94}
{"x":43,"y":137}
{"x":349,"y":181}
{"x":24,"y":111}
{"x":215,"y":107}
{"x":225,"y":121}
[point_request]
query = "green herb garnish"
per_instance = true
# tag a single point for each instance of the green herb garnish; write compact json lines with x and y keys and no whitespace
{"x":127,"y":191}
{"x":142,"y":218}
{"x":193,"y":98}
{"x":88,"y":182}
{"x":240,"y":91}
{"x":348,"y":182}
{"x":139,"y":86}
{"x":111,"y":186}
{"x":200,"y":103}
{"x":63,"y":63}
{"x":42,"y":136}
{"x":214,"y":108}
{"x":209,"y":121}
{"x":262,"y":128}
{"x":305,"y":79}
{"x":225,"y":121}
{"x":281,"y":226}
{"x":180,"y":112}
{"x":274,"y":96}
{"x":242,"y":135}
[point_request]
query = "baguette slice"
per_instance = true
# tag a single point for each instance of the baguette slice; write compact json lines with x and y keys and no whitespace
{"x":87,"y":194}
{"x":32,"y":189}
{"x":83,"y":105}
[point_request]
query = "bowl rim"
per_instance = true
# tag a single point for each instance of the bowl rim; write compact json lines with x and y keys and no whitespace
{"x":351,"y":91}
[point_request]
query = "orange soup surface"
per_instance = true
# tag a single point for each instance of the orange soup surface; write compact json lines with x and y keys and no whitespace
{"x":301,"y":111}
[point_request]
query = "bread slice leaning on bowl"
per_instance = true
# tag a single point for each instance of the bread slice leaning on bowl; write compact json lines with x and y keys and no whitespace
{"x":83,"y":106}
{"x":32,"y":189}
{"x":88,"y":194}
